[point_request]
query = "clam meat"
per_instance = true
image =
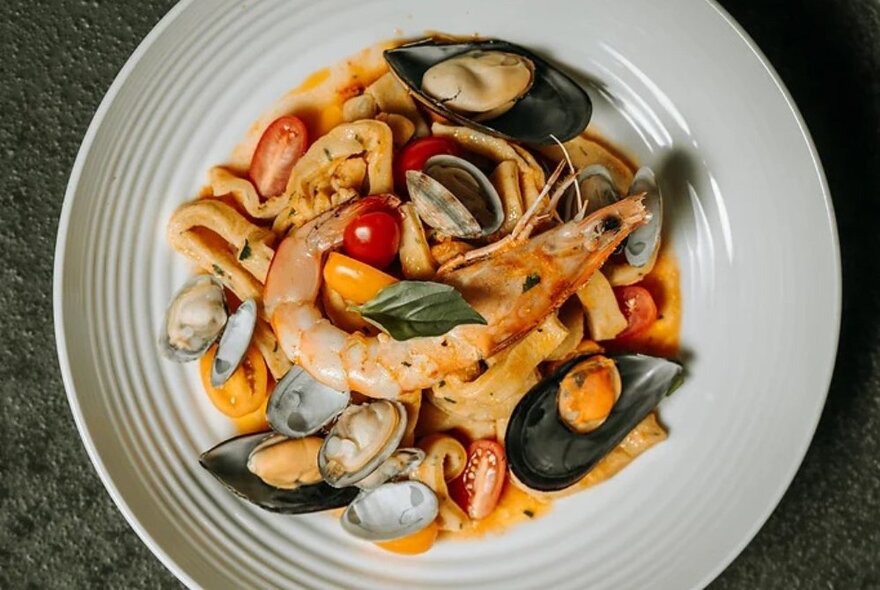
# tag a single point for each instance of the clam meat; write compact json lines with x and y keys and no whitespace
{"x":391,"y":511}
{"x":275,"y":473}
{"x":363,"y":437}
{"x":543,"y":450}
{"x":194,"y":320}
{"x":493,"y":86}
{"x":454,"y":197}
{"x":234,"y":343}
{"x":300,"y":405}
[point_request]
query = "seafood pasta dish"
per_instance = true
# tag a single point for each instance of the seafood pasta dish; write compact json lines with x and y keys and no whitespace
{"x":429,"y":294}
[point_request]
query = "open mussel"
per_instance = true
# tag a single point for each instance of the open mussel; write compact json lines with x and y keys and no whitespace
{"x":194,"y":320}
{"x":300,"y":405}
{"x":275,"y":473}
{"x":543,"y":449}
{"x":453,"y":196}
{"x":494,"y":86}
{"x":391,"y":511}
{"x":234,"y":343}
{"x":362,"y":439}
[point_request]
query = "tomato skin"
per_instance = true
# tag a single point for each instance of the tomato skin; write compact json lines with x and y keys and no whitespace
{"x":479,"y":486}
{"x":246,"y":389}
{"x":283,"y":143}
{"x":414,"y":155}
{"x":638,"y":308}
{"x":354,"y":280}
{"x":373,"y":238}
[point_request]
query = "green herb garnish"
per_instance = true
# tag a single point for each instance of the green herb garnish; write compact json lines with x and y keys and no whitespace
{"x":245,"y":251}
{"x":218,"y":271}
{"x":531,"y":280}
{"x":328,"y":154}
{"x":529,"y":513}
{"x":410,"y":309}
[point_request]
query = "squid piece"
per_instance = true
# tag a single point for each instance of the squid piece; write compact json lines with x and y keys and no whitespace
{"x":391,"y":97}
{"x":445,"y":459}
{"x":316,"y":187}
{"x":224,"y":182}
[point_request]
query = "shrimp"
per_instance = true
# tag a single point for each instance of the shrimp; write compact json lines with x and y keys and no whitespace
{"x":514,"y":289}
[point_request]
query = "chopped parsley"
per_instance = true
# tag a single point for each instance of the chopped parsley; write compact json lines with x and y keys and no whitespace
{"x":218,"y":271}
{"x":531,"y":280}
{"x":529,"y":513}
{"x":328,"y":154}
{"x":450,"y":400}
{"x":406,"y":363}
{"x":442,"y":383}
{"x":245,"y":251}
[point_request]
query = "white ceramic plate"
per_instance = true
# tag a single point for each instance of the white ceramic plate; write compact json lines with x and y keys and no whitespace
{"x":677,"y":82}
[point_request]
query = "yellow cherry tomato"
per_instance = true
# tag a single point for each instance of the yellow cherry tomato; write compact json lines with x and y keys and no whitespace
{"x":418,"y":542}
{"x":255,"y":421}
{"x":245,"y":391}
{"x":354,"y":280}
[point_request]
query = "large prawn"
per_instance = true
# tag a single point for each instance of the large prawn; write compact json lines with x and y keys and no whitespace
{"x":514,"y":284}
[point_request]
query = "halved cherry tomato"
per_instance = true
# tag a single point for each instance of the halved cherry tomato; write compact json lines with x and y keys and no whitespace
{"x":418,"y":542}
{"x":479,"y":486}
{"x":283,"y":143}
{"x":373,"y":238}
{"x":638,"y":308}
{"x":414,"y":155}
{"x":354,"y":280}
{"x":245,"y":390}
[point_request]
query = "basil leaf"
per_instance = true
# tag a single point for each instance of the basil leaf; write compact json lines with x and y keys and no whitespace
{"x":410,"y":309}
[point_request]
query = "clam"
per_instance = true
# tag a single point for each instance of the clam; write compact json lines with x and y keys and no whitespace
{"x":363,"y":437}
{"x":194,"y":320}
{"x":453,"y":196}
{"x":300,"y":405}
{"x":400,"y":464}
{"x":546,"y":454}
{"x":275,"y":473}
{"x":493,"y":86}
{"x":644,"y":241}
{"x":391,"y":511}
{"x":234,"y":342}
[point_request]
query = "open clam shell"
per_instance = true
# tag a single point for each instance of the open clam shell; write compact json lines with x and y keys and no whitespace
{"x":228,"y":462}
{"x":391,"y":511}
{"x":644,"y":241}
{"x":554,"y":105}
{"x":363,"y":437}
{"x":545,"y":454}
{"x":194,"y":320}
{"x":453,"y":196}
{"x":300,"y":405}
{"x":234,"y":342}
{"x":400,"y":464}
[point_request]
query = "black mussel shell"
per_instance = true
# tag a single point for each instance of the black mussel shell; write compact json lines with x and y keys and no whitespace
{"x":544,"y":454}
{"x":228,"y":463}
{"x":555,"y":104}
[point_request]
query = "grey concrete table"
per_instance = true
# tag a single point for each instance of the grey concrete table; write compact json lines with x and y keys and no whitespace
{"x":58,"y":527}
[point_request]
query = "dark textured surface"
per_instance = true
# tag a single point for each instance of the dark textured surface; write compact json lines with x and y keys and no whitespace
{"x":58,"y":527}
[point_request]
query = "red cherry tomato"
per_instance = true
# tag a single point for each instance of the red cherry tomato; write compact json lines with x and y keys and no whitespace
{"x":478,"y":488}
{"x":638,"y":308}
{"x":373,"y":238}
{"x":414,"y":155}
{"x":282,"y":144}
